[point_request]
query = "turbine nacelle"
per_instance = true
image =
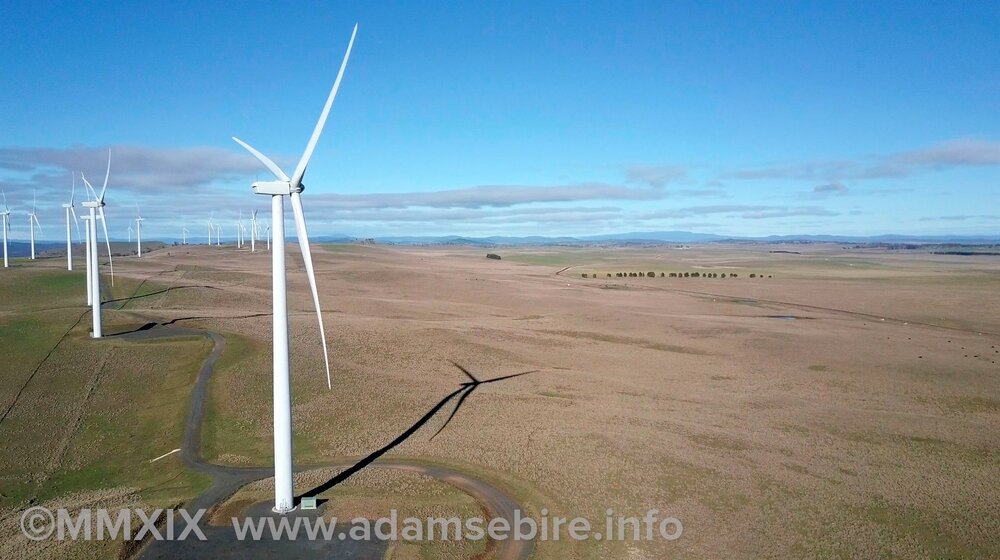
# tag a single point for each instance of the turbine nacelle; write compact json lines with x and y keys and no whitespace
{"x":281,"y":188}
{"x":92,"y":203}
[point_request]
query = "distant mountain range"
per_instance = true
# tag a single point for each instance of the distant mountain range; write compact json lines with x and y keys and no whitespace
{"x":58,"y":249}
{"x":652,"y":237}
{"x":21,"y":248}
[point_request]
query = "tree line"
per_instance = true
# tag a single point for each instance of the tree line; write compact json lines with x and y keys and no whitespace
{"x":674,"y":275}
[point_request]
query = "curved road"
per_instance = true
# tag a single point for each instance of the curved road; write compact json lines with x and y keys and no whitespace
{"x":226,"y":480}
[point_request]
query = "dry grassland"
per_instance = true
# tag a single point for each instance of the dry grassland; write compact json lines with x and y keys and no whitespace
{"x":866,"y":427}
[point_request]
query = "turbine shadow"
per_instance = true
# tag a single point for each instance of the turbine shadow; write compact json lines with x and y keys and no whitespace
{"x":156,"y":293}
{"x":465,"y":389}
{"x":171,"y":322}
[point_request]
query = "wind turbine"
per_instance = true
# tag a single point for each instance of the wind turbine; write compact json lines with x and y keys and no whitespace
{"x":32,"y":221}
{"x":218,"y":235}
{"x":138,"y":231}
{"x":130,"y":233}
{"x":211,"y":228}
{"x":239,"y":231}
{"x":268,"y":229}
{"x":69,"y":210}
{"x":253,"y":232}
{"x":278,"y":190}
{"x":6,"y":227}
{"x":95,"y":205}
{"x":184,"y":236}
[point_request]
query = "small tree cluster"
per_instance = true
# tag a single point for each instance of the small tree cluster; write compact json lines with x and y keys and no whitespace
{"x":678,"y":275}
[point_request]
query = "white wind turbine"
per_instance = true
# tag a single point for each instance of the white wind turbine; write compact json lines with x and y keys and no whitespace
{"x":70,"y":210}
{"x":253,"y":232}
{"x":239,"y":231}
{"x":96,"y":207}
{"x":268,"y":229}
{"x":184,"y":236}
{"x":32,"y":222}
{"x":138,"y":231}
{"x":5,"y":214}
{"x":278,"y":190}
{"x":130,"y":233}
{"x":218,"y":235}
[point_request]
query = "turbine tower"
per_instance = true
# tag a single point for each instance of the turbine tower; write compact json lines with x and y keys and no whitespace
{"x":96,"y":207}
{"x":69,"y":210}
{"x":90,"y":285}
{"x":184,"y":236}
{"x":5,"y":214}
{"x":138,"y":231}
{"x":32,"y":222}
{"x":130,"y":233}
{"x":278,"y":190}
{"x":218,"y":235}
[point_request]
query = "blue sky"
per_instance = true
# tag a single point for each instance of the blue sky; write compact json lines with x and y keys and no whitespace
{"x":514,"y":119}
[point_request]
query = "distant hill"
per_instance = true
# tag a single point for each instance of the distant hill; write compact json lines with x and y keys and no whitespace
{"x":657,"y":237}
{"x":23,"y":248}
{"x":17,"y":249}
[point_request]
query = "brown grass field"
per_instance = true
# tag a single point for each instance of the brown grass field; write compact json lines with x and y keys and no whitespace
{"x":846,"y":407}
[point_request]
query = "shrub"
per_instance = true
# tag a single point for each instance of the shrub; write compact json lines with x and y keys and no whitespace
{"x":662,"y":274}
{"x":584,"y":275}
{"x":673,"y":275}
{"x":493,"y":256}
{"x":696,"y":274}
{"x":686,"y":274}
{"x":753,"y":275}
{"x":650,"y":275}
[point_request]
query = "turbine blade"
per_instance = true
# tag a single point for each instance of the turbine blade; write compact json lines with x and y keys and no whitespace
{"x":107,"y":241}
{"x":300,"y":170}
{"x":273,"y":167}
{"x":72,"y":192}
{"x":106,"y":175}
{"x":89,"y":186}
{"x":303,"y":235}
{"x":77,"y":222}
